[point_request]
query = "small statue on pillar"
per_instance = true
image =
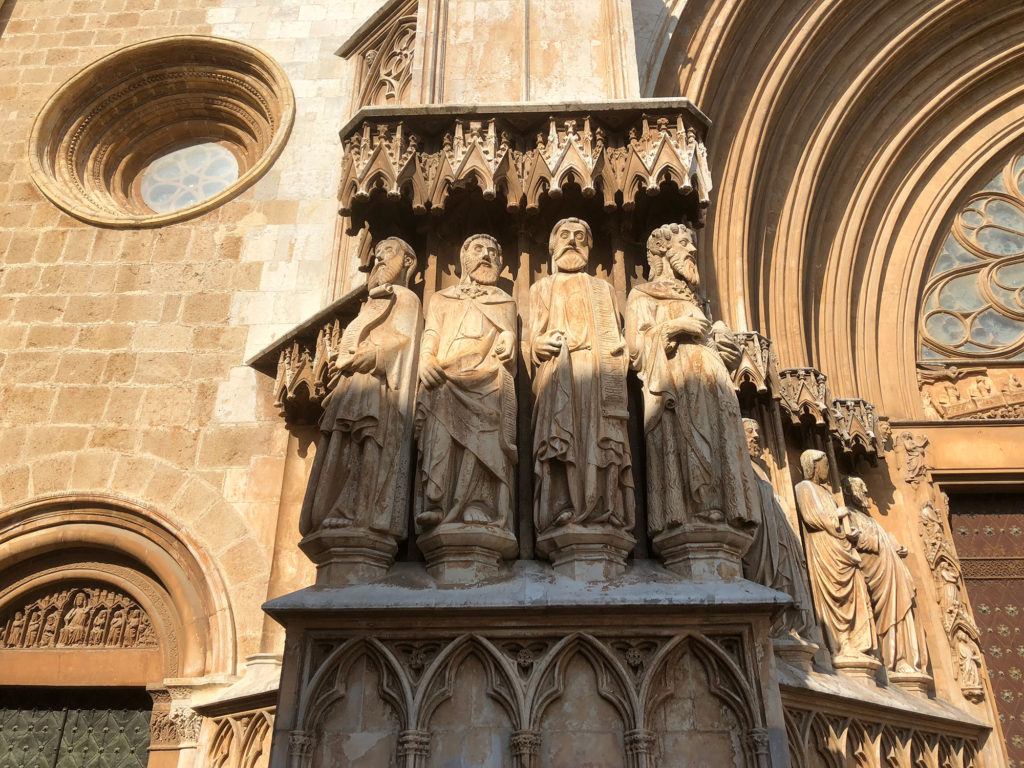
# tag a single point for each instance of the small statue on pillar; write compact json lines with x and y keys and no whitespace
{"x":354,"y":512}
{"x":837,"y":582}
{"x":702,"y":503}
{"x":891,"y":587}
{"x":466,"y":419}
{"x":583,"y":495}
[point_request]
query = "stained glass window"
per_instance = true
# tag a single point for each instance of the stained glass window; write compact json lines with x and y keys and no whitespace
{"x":187,"y":176}
{"x":973,"y":305}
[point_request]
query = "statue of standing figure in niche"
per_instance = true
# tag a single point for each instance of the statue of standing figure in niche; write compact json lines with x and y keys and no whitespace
{"x":581,"y":453}
{"x":466,"y":412}
{"x":776,"y":557}
{"x":890,"y":585}
{"x":359,"y":478}
{"x":837,"y":582}
{"x":698,"y":467}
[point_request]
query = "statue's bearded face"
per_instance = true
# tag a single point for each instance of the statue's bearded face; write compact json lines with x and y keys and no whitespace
{"x":572,"y":247}
{"x":681,"y":256}
{"x":387,"y":263}
{"x":859,"y":492}
{"x":481,"y":261}
{"x":753,"y":438}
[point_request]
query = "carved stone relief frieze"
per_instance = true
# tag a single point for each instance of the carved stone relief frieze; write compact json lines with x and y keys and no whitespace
{"x":78,"y":617}
{"x":952,"y":393}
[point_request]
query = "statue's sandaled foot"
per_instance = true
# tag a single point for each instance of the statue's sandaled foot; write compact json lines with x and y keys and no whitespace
{"x":428,"y":518}
{"x":337,"y":522}
{"x":475,"y":514}
{"x":562,"y":518}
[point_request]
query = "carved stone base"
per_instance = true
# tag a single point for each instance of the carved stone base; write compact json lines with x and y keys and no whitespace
{"x":795,"y":650}
{"x":703,"y":552}
{"x":465,"y":553}
{"x":349,"y":555}
{"x":862,"y":668}
{"x":917,"y":683}
{"x":586,"y":554}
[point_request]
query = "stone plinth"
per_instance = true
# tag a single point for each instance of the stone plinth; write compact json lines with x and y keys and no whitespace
{"x":349,"y":555}
{"x":463,"y":553}
{"x":703,"y":551}
{"x":795,"y":650}
{"x":423,"y":659}
{"x":860,"y":667}
{"x":917,"y":683}
{"x":586,"y":553}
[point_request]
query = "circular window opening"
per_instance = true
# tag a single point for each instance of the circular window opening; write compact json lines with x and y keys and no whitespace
{"x":187,"y":176}
{"x":161,"y":131}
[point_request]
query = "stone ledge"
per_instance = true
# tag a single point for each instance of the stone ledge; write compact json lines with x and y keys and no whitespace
{"x":531,"y":586}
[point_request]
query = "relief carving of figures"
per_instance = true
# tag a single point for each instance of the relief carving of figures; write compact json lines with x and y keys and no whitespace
{"x":87,"y":616}
{"x":698,"y":468}
{"x":890,"y":585}
{"x":466,"y":412}
{"x":776,"y":557}
{"x":358,"y":483}
{"x":840,"y":591}
{"x":581,"y":450}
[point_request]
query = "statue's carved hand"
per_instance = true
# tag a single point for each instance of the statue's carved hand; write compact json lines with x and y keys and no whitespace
{"x":697,"y":327}
{"x":361,"y":360}
{"x":431,"y":372}
{"x":729,"y":350}
{"x":548,"y":344}
{"x":505,"y":349}
{"x":853,"y":535}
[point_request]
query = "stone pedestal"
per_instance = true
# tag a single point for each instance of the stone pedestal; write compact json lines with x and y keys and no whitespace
{"x":703,"y":551}
{"x":796,"y":651}
{"x":917,"y":683}
{"x":459,"y":553}
{"x":862,"y":668}
{"x":349,"y":555}
{"x":586,"y":554}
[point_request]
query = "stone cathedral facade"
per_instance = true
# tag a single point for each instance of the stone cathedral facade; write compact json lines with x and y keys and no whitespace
{"x":539,"y":383}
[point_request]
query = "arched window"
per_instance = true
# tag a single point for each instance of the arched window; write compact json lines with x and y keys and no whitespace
{"x":973,"y":302}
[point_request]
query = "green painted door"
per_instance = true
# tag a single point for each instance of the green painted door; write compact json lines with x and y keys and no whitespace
{"x":74,"y":728}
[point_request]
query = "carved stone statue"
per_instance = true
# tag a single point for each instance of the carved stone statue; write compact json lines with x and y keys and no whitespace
{"x":75,"y":622}
{"x":891,"y":587}
{"x":466,"y":416}
{"x":583,"y":495}
{"x":915,"y":467}
{"x":834,"y":565}
{"x":354,"y":511}
{"x":702,"y":492}
{"x":1013,"y":384}
{"x":35,"y":623}
{"x":49,"y":636}
{"x":776,"y":557}
{"x":929,"y":406}
{"x":16,"y":631}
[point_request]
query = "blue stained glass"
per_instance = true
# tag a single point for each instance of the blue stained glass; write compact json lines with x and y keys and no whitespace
{"x":961,"y":293}
{"x":927,"y":353}
{"x":187,"y":176}
{"x":989,"y":327}
{"x":972,"y":218}
{"x":946,"y":328}
{"x":1005,"y":215}
{"x":1000,"y":241}
{"x":953,"y":255}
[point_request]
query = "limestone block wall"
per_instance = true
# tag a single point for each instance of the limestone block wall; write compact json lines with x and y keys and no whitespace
{"x":122,"y":350}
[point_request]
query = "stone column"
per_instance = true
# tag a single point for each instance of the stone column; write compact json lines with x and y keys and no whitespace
{"x":300,"y":749}
{"x":639,"y":744}
{"x":174,"y":728}
{"x":413,"y":748}
{"x":526,"y":749}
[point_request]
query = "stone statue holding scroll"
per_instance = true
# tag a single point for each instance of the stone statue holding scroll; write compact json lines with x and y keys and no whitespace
{"x":466,"y":412}
{"x":776,"y":557}
{"x":360,"y":474}
{"x":834,"y":565}
{"x":580,"y":443}
{"x":698,"y":468}
{"x":890,"y":585}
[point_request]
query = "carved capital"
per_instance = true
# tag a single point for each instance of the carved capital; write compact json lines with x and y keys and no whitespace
{"x":526,"y":743}
{"x":414,"y":742}
{"x":758,"y":366}
{"x":855,"y":427}
{"x":175,"y":727}
{"x":805,"y":395}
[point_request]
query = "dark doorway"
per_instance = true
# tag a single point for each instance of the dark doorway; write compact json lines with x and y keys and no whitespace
{"x":988,"y":529}
{"x":74,"y":727}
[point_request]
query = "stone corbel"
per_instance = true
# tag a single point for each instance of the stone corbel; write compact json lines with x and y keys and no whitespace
{"x":805,"y":395}
{"x":758,"y":366}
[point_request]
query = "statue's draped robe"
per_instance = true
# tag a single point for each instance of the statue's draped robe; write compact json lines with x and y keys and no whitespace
{"x":698,"y":465}
{"x":467,"y":426}
{"x":776,"y":559}
{"x":580,"y":443}
{"x":360,"y":472}
{"x":892,"y":597}
{"x":834,"y":566}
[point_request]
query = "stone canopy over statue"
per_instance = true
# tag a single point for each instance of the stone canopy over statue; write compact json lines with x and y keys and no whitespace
{"x":702,"y":500}
{"x":357,"y":493}
{"x":466,"y":416}
{"x":583,"y":494}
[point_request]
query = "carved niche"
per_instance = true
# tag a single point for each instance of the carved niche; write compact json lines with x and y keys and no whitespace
{"x":241,"y":740}
{"x":78,"y":617}
{"x":384,"y":50}
{"x":758,"y":366}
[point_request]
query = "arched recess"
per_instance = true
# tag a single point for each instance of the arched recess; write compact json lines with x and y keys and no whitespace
{"x":110,"y":543}
{"x":842,"y":143}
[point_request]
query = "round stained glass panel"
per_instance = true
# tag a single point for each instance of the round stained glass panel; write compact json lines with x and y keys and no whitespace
{"x":187,"y":176}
